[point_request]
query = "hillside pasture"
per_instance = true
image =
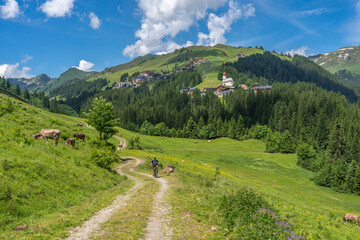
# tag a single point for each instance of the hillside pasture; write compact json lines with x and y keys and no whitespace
{"x":315,"y":211}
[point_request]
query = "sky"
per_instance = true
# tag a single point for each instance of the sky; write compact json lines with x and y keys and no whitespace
{"x":50,"y":36}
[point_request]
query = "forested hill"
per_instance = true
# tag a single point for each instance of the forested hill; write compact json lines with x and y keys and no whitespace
{"x":300,"y":69}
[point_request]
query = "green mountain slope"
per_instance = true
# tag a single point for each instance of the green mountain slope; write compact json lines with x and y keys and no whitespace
{"x":33,"y":84}
{"x":72,"y":74}
{"x":218,"y":55}
{"x":344,"y":58}
{"x":42,"y":186}
{"x":44,"y":83}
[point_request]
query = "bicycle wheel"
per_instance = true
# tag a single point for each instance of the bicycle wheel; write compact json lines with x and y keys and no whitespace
{"x":156,"y":172}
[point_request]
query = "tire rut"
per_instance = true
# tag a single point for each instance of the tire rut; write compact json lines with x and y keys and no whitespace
{"x":90,"y":226}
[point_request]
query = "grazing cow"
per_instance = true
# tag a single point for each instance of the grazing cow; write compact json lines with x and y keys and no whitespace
{"x":0,"y":96}
{"x":48,"y":133}
{"x":119,"y":134}
{"x":209,"y":141}
{"x":20,"y":103}
{"x":79,"y":124}
{"x":169,"y":169}
{"x":351,"y":217}
{"x":79,"y":136}
{"x":70,"y":142}
{"x":196,"y":142}
{"x":119,"y":148}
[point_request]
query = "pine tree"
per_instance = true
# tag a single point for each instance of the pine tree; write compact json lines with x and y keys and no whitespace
{"x":201,"y":123}
{"x":240,"y":128}
{"x":231,"y":132}
{"x":337,"y":147}
{"x":192,"y":129}
{"x":18,"y":90}
{"x":26,"y":94}
{"x":287,"y":144}
{"x":351,"y":179}
{"x":219,"y":124}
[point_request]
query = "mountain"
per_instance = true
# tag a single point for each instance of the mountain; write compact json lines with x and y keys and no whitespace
{"x":32,"y":84}
{"x":217,"y":55}
{"x":344,"y":58}
{"x":72,"y":74}
{"x":44,"y":83}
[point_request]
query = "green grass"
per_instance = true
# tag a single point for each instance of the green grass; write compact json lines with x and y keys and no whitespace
{"x":38,"y":180}
{"x":313,"y":209}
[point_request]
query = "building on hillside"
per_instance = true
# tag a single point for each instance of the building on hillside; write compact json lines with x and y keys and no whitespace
{"x":240,"y":55}
{"x":243,"y":86}
{"x":210,"y":89}
{"x":257,"y":88}
{"x":182,"y":90}
{"x":122,"y":84}
{"x":229,"y":82}
{"x":140,"y":79}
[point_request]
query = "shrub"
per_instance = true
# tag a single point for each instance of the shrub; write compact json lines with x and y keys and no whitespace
{"x":306,"y":156}
{"x":134,"y":143}
{"x":103,"y":158}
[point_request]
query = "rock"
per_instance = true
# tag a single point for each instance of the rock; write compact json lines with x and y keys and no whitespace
{"x":21,"y":228}
{"x":182,"y":161}
{"x":214,"y":229}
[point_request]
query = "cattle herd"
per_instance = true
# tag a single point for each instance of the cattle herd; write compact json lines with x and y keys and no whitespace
{"x":55,"y":134}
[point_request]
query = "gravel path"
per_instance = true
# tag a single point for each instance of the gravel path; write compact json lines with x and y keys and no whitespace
{"x":123,"y":141}
{"x":159,"y":222}
{"x":94,"y":223}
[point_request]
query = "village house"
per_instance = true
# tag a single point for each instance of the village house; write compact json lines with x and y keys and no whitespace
{"x":229,"y":82}
{"x":257,"y":88}
{"x":210,"y":89}
{"x":122,"y":84}
{"x":240,"y":55}
{"x":243,"y":86}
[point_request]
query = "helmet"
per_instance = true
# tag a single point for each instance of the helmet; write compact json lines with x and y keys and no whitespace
{"x":154,"y":157}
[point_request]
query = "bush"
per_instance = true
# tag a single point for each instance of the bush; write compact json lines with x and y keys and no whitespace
{"x":247,"y":215}
{"x":306,"y":156}
{"x":103,"y":158}
{"x":134,"y":143}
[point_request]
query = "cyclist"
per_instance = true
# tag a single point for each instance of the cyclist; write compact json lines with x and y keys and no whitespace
{"x":155,"y":163}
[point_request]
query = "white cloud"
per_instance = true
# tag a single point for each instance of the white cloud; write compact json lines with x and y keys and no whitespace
{"x":13,"y":71}
{"x":300,"y":51}
{"x":85,"y":66}
{"x":26,"y":58}
{"x":94,"y":21}
{"x":57,"y":8}
{"x":312,"y":12}
{"x":172,"y":46}
{"x":10,"y":9}
{"x":165,"y":19}
{"x":218,"y":26}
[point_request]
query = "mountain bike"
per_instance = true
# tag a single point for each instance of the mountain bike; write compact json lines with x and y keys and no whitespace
{"x":156,"y":170}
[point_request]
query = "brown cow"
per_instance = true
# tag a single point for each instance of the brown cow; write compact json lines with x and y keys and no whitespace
{"x":70,"y":142}
{"x":169,"y":169}
{"x":351,"y":217}
{"x":0,"y":96}
{"x":79,"y":136}
{"x":79,"y":124}
{"x":48,"y":133}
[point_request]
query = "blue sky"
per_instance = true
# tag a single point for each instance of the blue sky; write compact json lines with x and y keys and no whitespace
{"x":50,"y":36}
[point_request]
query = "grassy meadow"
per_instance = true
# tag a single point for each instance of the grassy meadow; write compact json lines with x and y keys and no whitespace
{"x":48,"y":189}
{"x":314,"y":211}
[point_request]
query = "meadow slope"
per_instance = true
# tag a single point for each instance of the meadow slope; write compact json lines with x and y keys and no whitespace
{"x":315,"y":211}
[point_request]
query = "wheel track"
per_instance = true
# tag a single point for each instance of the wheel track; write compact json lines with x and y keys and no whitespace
{"x":90,"y":226}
